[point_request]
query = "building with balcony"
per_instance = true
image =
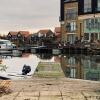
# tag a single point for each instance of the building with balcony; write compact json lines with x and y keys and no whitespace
{"x":80,"y":19}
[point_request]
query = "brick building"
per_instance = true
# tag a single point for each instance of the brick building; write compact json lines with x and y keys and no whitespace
{"x":80,"y":19}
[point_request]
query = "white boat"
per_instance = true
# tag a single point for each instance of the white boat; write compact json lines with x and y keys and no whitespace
{"x":4,"y":51}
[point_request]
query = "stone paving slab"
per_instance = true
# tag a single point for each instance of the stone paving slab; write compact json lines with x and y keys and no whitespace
{"x":50,"y":93}
{"x":52,"y":89}
{"x":68,"y":96}
{"x":71,"y":98}
{"x":50,"y":98}
{"x":26,"y":98}
{"x":91,"y":95}
{"x":74,"y":95}
{"x":30,"y":94}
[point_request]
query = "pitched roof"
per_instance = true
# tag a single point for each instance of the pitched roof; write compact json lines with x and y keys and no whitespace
{"x":13,"y":33}
{"x":44,"y":31}
{"x":57,"y":30}
{"x":24,"y":33}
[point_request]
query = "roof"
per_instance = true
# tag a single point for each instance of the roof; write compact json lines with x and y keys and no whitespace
{"x":44,"y":31}
{"x":24,"y":33}
{"x":57,"y":30}
{"x":13,"y":33}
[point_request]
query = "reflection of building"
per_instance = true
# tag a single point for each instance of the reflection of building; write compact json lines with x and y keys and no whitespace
{"x":81,"y":67}
{"x":25,"y":55}
{"x":45,"y":56}
{"x":80,"y":18}
{"x":57,"y":59}
{"x":71,"y":66}
{"x":91,"y":67}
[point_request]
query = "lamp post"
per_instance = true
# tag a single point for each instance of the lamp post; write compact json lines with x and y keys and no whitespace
{"x":62,"y":33}
{"x":80,"y":30}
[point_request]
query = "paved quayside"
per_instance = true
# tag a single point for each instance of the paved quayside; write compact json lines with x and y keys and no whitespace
{"x":51,"y":89}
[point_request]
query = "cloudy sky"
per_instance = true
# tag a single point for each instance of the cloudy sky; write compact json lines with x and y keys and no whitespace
{"x":29,"y":15}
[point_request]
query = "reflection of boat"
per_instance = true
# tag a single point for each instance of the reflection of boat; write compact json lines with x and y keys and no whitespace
{"x":41,"y":49}
{"x":45,"y":56}
{"x":4,"y":78}
{"x":16,"y":53}
{"x":56,"y":51}
{"x":25,"y":55}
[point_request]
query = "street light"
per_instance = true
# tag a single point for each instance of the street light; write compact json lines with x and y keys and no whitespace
{"x":62,"y":34}
{"x":80,"y":31}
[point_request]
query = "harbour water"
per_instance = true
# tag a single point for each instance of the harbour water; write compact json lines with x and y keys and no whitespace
{"x":70,"y":66}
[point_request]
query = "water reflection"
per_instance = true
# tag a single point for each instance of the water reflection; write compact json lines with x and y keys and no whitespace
{"x":44,"y":56}
{"x":14,"y":65}
{"x":81,"y":67}
{"x":78,"y":66}
{"x":72,"y":66}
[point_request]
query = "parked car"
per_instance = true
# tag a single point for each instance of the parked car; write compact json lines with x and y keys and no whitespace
{"x":6,"y":44}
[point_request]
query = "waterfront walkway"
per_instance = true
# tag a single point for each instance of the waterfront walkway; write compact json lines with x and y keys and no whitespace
{"x":51,"y":89}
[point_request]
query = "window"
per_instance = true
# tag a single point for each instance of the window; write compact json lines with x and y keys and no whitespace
{"x":66,"y":0}
{"x":71,"y":14}
{"x":18,"y":35}
{"x":71,"y":27}
{"x":69,"y":0}
{"x":92,"y":24}
{"x":98,"y":4}
{"x":87,"y":6}
{"x":86,"y":36}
